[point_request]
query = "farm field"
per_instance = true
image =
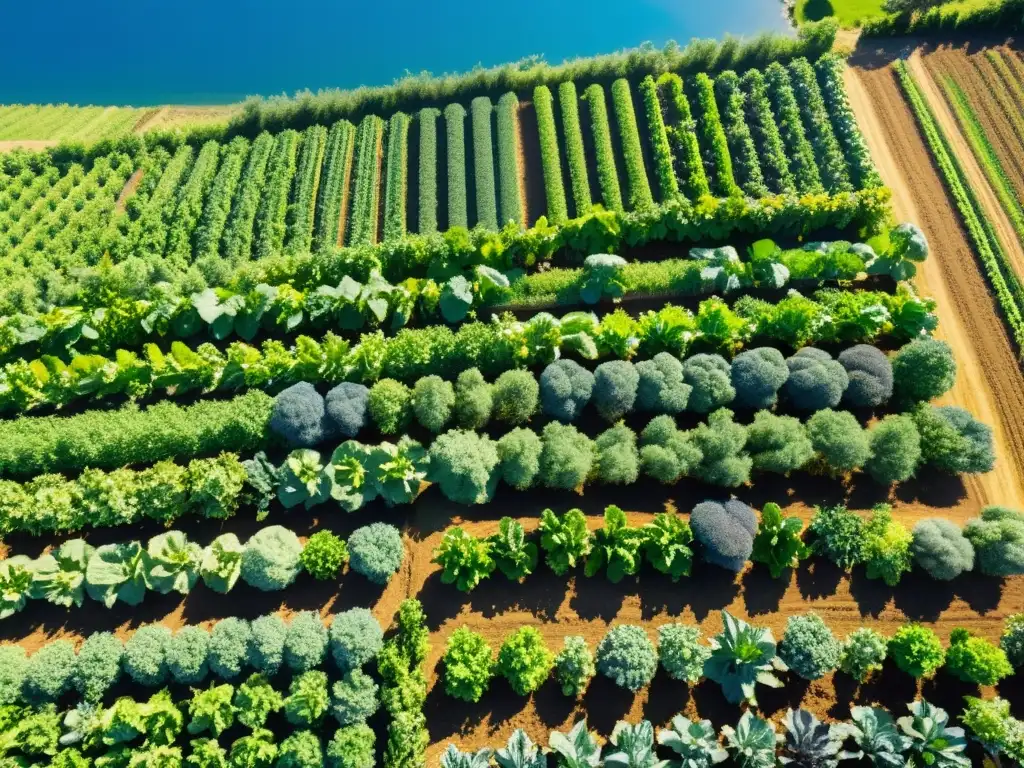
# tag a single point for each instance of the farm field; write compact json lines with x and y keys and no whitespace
{"x":317,"y":446}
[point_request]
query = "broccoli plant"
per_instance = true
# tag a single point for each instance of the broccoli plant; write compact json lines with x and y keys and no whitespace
{"x":520,"y":752}
{"x":877,"y":737}
{"x":512,"y":553}
{"x":932,"y":741}
{"x":464,"y":559}
{"x":565,"y":540}
{"x":778,"y":543}
{"x":666,"y":545}
{"x":751,"y":742}
{"x":810,"y":742}
{"x":741,"y":657}
{"x":634,"y":746}
{"x":616,"y":547}
{"x":695,"y":743}
{"x":576,"y":749}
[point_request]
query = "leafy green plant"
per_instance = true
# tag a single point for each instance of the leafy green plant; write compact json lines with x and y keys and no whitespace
{"x":627,"y":656}
{"x":222,"y":563}
{"x":975,"y":660}
{"x":695,"y":743}
{"x":681,"y":653}
{"x":666,"y":544}
{"x":615,"y":547}
{"x":211,"y":710}
{"x":464,"y":559}
{"x":565,"y":540}
{"x":886,"y":546}
{"x":172,"y":563}
{"x":879,"y":740}
{"x":117,"y":572}
{"x":520,"y":752}
{"x":932,"y":741}
{"x":808,"y":647}
{"x":576,"y":749}
{"x":308,"y":699}
{"x":453,"y":758}
{"x":751,"y":742}
{"x":303,"y":480}
{"x":863,"y":653}
{"x":743,"y":656}
{"x":324,"y":555}
{"x":524,"y":660}
{"x":916,"y":650}
{"x":512,"y":553}
{"x":574,"y":665}
{"x":838,"y":534}
{"x":602,"y":278}
{"x":991,"y":725}
{"x":468,"y":666}
{"x":811,"y":742}
{"x":633,"y":746}
{"x":59,"y":576}
{"x":778,"y":543}
{"x":255,"y":700}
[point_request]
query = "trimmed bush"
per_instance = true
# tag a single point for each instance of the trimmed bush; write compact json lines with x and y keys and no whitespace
{"x":300,"y":750}
{"x":615,"y":388}
{"x":725,"y":532}
{"x":618,"y":461}
{"x":886,"y":546}
{"x":229,"y":647}
{"x":13,"y":667}
{"x":710,"y":379}
{"x":50,"y":672}
{"x":864,"y":652}
{"x":299,"y":417}
{"x":681,"y":652}
{"x":839,"y":440}
{"x":354,"y":698}
{"x":895,"y":450}
{"x":306,"y":642}
{"x":778,"y":444}
{"x":870,"y":374}
{"x":473,"y":400}
{"x":941,"y":549}
{"x":566,"y":458}
{"x":720,"y":442}
{"x":266,"y":647}
{"x":465,"y":466}
{"x":145,"y":659}
{"x":98,"y":666}
{"x":998,"y":540}
{"x":916,"y":650}
{"x":816,"y":381}
{"x":627,"y":656}
{"x":468,"y":665}
{"x":519,"y":457}
{"x":525,"y":661}
{"x":270,"y":560}
{"x":376,"y":552}
{"x":390,"y":405}
{"x":923,"y":370}
{"x":953,"y":440}
{"x":666,"y":453}
{"x":574,"y":666}
{"x":565,"y":389}
{"x":838,"y":535}
{"x":352,"y":747}
{"x":661,"y":388}
{"x":324,"y":555}
{"x":757,"y":376}
{"x":187,"y":655}
{"x":1012,"y":641}
{"x":808,"y":647}
{"x":346,"y":406}
{"x":355,"y":637}
{"x":515,"y":395}
{"x":433,"y":400}
{"x":975,"y":660}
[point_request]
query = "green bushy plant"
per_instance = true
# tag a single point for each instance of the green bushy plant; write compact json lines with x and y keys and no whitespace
{"x":464,"y":559}
{"x":574,"y":665}
{"x":923,"y":370}
{"x":757,"y":376}
{"x":300,"y":750}
{"x":627,"y":656}
{"x":13,"y":667}
{"x":306,"y":642}
{"x":666,"y":545}
{"x":433,"y":401}
{"x":255,"y":700}
{"x":524,"y":660}
{"x":720,"y":441}
{"x":376,"y":552}
{"x":211,"y":710}
{"x":808,"y":647}
{"x":352,"y":747}
{"x":941,"y":549}
{"x":778,"y":543}
{"x":98,"y":666}
{"x":617,"y":457}
{"x":616,"y":547}
{"x":145,"y":655}
{"x":838,"y":534}
{"x":681,"y":653}
{"x":266,"y":645}
{"x":667,"y":453}
{"x":863,"y":653}
{"x":257,"y":750}
{"x":515,"y":396}
{"x":778,"y":444}
{"x":752,"y":742}
{"x":50,"y":672}
{"x":916,"y":650}
{"x":710,"y":380}
{"x":308,"y":699}
{"x":725,"y":532}
{"x":468,"y":665}
{"x":661,"y":388}
{"x":615,"y":389}
{"x":1012,"y":640}
{"x":187,"y":655}
{"x":298,"y":418}
{"x":838,"y":439}
{"x":519,"y":457}
{"x":565,"y":540}
{"x":565,"y":389}
{"x":465,"y":466}
{"x":998,"y":540}
{"x":324,"y":555}
{"x":354,"y":698}
{"x":390,"y":406}
{"x":975,"y":660}
{"x":566,"y":458}
{"x":895,"y":450}
{"x":886,"y":546}
{"x":229,"y":647}
{"x":816,"y":381}
{"x":743,"y":656}
{"x":512,"y":553}
{"x":355,"y":638}
{"x":474,"y":400}
{"x":270,"y":560}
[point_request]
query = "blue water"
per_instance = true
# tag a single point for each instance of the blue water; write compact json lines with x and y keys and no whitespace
{"x":144,"y":52}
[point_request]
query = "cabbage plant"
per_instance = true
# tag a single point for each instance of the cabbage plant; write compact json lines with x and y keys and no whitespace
{"x":15,"y":584}
{"x":303,"y":480}
{"x":576,"y":749}
{"x":117,"y":572}
{"x":932,"y":741}
{"x":809,"y":741}
{"x":398,"y":470}
{"x":694,"y":742}
{"x":453,"y":758}
{"x":59,"y":576}
{"x":751,"y":742}
{"x":877,"y":737}
{"x":520,"y":752}
{"x":742,"y":657}
{"x":602,"y":278}
{"x":634,"y":746}
{"x":172,"y":563}
{"x":351,"y":484}
{"x":222,"y":563}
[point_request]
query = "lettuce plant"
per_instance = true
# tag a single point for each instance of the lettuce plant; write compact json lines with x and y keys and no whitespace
{"x":211,"y":710}
{"x":15,"y":584}
{"x":117,"y":572}
{"x":778,"y":543}
{"x":565,"y":540}
{"x":694,"y":742}
{"x":172,"y":563}
{"x":524,"y":660}
{"x":59,"y":576}
{"x":741,"y":657}
{"x":666,"y":545}
{"x":512,"y":553}
{"x":464,"y":559}
{"x":468,"y":666}
{"x":453,"y":758}
{"x":222,"y":563}
{"x":616,"y":546}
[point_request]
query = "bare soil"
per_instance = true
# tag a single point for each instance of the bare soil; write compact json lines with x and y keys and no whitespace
{"x":33,"y":145}
{"x":129,"y":189}
{"x":166,"y":118}
{"x":530,"y":168}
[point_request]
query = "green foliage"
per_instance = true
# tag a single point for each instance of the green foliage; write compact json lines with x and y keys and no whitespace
{"x":99,"y":665}
{"x":324,"y":555}
{"x":299,"y":418}
{"x":1012,"y":640}
{"x":464,"y":559}
{"x":694,"y":743}
{"x":778,"y":543}
{"x":566,"y":458}
{"x":838,"y":534}
{"x":666,"y":545}
{"x":515,"y":396}
{"x":615,"y":547}
{"x":681,"y":653}
{"x":975,"y":660}
{"x":464,"y":465}
{"x":991,"y":724}
{"x":308,"y":699}
{"x":565,"y":540}
{"x":395,"y":189}
{"x":932,"y":742}
{"x":725,"y":532}
{"x":300,"y":750}
{"x":576,"y":749}
{"x":916,"y":650}
{"x":710,"y":380}
{"x":808,"y":740}
{"x":557,"y":211}
{"x":895,"y":450}
{"x":256,"y":750}
{"x":352,"y":747}
{"x":574,"y":666}
{"x":512,"y":553}
{"x":752,"y":742}
{"x":876,"y":735}
{"x":886,"y":546}
{"x":716,"y":149}
{"x":473,"y":400}
{"x":607,"y":174}
{"x":741,"y":657}
{"x":50,"y":672}
{"x":306,"y":642}
{"x":266,"y":647}
{"x":270,"y":560}
{"x":808,"y":647}
{"x":778,"y":443}
{"x":720,"y":441}
{"x":757,"y":375}
{"x":567,"y":102}
{"x":172,"y":563}
{"x":565,"y":389}
{"x":998,"y":540}
{"x":354,"y":698}
{"x":923,"y":370}
{"x":13,"y":668}
{"x":390,"y":406}
{"x":468,"y":666}
{"x":145,"y":655}
{"x":524,"y":660}
{"x":211,"y":710}
{"x":433,"y":400}
{"x":839,"y":440}
{"x":627,"y":656}
{"x":255,"y":700}
{"x":863,"y":653}
{"x":187,"y":653}
{"x":376,"y":551}
{"x":519,"y":456}
{"x":355,"y":638}
{"x":941,"y":549}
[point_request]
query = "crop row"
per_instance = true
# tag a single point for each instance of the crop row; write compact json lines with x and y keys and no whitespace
{"x":607,"y":175}
{"x":997,"y":268}
{"x":218,"y":204}
{"x":682,"y":134}
{"x":147,"y":234}
{"x":427,"y":120}
{"x":455,"y":130}
{"x":301,"y":210}
{"x":238,"y":234}
{"x":395,"y":184}
{"x":664,"y":163}
{"x":802,"y":164}
{"x":483,"y":164}
{"x":831,"y":163}
{"x":568,"y":102}
{"x":45,"y":204}
{"x":1006,"y":96}
{"x":270,"y":215}
{"x":510,"y":202}
{"x":189,"y":206}
{"x":738,"y":136}
{"x":21,"y":199}
{"x":1008,"y":79}
{"x":767,"y":139}
{"x":639,"y":190}
{"x":335,"y":175}
{"x":551,"y":165}
{"x":714,"y":147}
{"x":362,"y":224}
{"x":830,"y":77}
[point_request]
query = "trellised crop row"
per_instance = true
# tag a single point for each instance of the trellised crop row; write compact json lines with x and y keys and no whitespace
{"x":483,"y":164}
{"x":510,"y":201}
{"x":455,"y":129}
{"x":551,"y":166}
{"x":427,"y":120}
{"x":746,"y":165}
{"x":301,"y":209}
{"x":395,"y":185}
{"x":218,"y":204}
{"x":639,"y":190}
{"x":802,"y":164}
{"x":714,"y":146}
{"x":270,"y":215}
{"x":238,"y":235}
{"x":607,"y":175}
{"x":831,"y":163}
{"x":190,"y":201}
{"x":569,"y":105}
{"x":862,"y":168}
{"x":335,"y":175}
{"x":682,"y":133}
{"x":664,"y":165}
{"x":362,"y":225}
{"x":770,"y":148}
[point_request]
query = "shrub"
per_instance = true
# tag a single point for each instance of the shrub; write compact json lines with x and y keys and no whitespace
{"x":13,"y":667}
{"x":515,"y":395}
{"x":257,"y":750}
{"x":565,"y":389}
{"x":725,"y":532}
{"x":618,"y":461}
{"x":308,"y":699}
{"x":998,"y":540}
{"x":666,"y":453}
{"x":389,"y":403}
{"x":839,"y":440}
{"x":566,"y":458}
{"x":720,"y":441}
{"x":346,"y":407}
{"x":473,"y":400}
{"x":778,"y":444}
{"x":661,"y":388}
{"x":895,"y":450}
{"x":1012,"y":641}
{"x":863,"y":653}
{"x":324,"y":555}
{"x":187,"y":655}
{"x":352,"y":747}
{"x":922,"y":370}
{"x":270,"y":561}
{"x":816,"y":381}
{"x":574,"y":666}
{"x":519,"y":457}
{"x":433,"y":400}
{"x":681,"y":652}
{"x":354,"y":698}
{"x":266,"y":649}
{"x":954,"y":441}
{"x":778,"y":543}
{"x":98,"y":666}
{"x":524,"y":660}
{"x":615,"y":388}
{"x":976,"y":660}
{"x":940,"y":548}
{"x":145,"y":655}
{"x":229,"y":647}
{"x":757,"y":376}
{"x":468,"y":666}
{"x":916,"y":650}
{"x":356,"y":637}
{"x":255,"y":700}
{"x":808,"y":647}
{"x":300,"y":750}
{"x":627,"y":656}
{"x":299,"y":417}
{"x":464,"y":465}
{"x":306,"y":642}
{"x":837,"y":534}
{"x":870,"y":374}
{"x":886,"y":547}
{"x":710,"y":378}
{"x":376,"y":552}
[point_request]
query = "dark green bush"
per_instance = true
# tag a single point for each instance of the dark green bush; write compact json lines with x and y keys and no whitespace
{"x":516,"y":394}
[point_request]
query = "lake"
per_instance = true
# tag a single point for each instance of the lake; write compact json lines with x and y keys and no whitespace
{"x":143,"y":52}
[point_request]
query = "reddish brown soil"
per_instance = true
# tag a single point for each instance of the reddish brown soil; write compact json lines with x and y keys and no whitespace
{"x":378,"y":211}
{"x":129,"y":189}
{"x":346,"y":190}
{"x":531,"y":178}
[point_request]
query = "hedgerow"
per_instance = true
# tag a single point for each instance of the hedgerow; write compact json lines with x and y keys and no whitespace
{"x":639,"y":196}
{"x":765,"y":131}
{"x":714,"y":147}
{"x":217,"y":208}
{"x":238,"y":233}
{"x":664,"y":163}
{"x":301,"y":211}
{"x":607,"y":174}
{"x":557,"y":210}
{"x":396,"y":169}
{"x":746,"y":164}
{"x":269,"y":225}
{"x":336,"y":168}
{"x":483,"y":163}
{"x":455,"y":129}
{"x":427,"y":121}
{"x":569,"y":108}
{"x":509,"y":200}
{"x":802,"y":164}
{"x":362,"y":220}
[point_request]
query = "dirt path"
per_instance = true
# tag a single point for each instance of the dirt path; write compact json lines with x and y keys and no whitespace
{"x":129,"y":189}
{"x":32,"y":145}
{"x":989,"y":381}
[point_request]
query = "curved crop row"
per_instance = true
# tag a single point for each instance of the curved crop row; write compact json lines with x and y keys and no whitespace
{"x":301,"y":209}
{"x":802,"y":164}
{"x":568,"y":102}
{"x":607,"y":174}
{"x":395,"y":184}
{"x":664,"y":163}
{"x":336,"y":172}
{"x":455,"y":131}
{"x":831,"y":163}
{"x":218,"y":204}
{"x":191,"y":198}
{"x":639,"y":196}
{"x":509,"y":195}
{"x":731,"y":102}
{"x":715,"y":147}
{"x":862,"y":168}
{"x":270,"y":221}
{"x":551,"y":165}
{"x":483,"y":163}
{"x":238,"y":234}
{"x":362,"y":225}
{"x":148,"y":233}
{"x":770,"y":149}
{"x":428,"y":171}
